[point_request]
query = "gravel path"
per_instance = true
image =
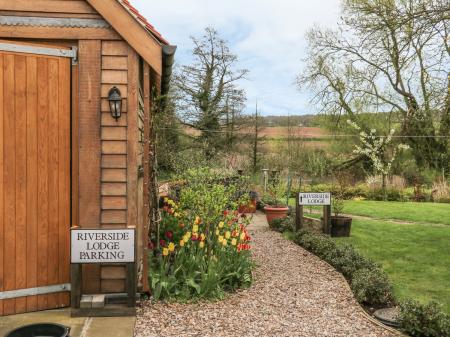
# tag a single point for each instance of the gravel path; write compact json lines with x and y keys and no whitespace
{"x":294,"y":294}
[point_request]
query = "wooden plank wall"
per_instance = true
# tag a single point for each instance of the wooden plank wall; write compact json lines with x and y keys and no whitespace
{"x":55,"y":9}
{"x":118,"y":150}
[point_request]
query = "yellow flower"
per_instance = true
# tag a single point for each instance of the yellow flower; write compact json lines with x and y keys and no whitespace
{"x":185,"y":239}
{"x":224,"y":243}
{"x":198,"y":220}
{"x":176,"y":215}
{"x":166,"y":199}
{"x":242,"y":236}
{"x":195,"y":228}
{"x":217,"y":232}
{"x":202,"y":237}
{"x":201,"y":244}
{"x":227,"y":235}
{"x":233,"y":242}
{"x":182,"y":243}
{"x":188,"y":234}
{"x":171,"y":247}
{"x":220,"y":239}
{"x":165,"y":252}
{"x":221,"y":224}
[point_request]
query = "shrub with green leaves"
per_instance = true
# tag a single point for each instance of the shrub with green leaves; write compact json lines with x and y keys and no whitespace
{"x":372,"y":287}
{"x":368,"y":281}
{"x":423,"y":320}
{"x":282,"y":224}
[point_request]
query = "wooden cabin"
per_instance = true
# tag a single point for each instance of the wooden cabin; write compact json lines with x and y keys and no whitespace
{"x":66,"y":158}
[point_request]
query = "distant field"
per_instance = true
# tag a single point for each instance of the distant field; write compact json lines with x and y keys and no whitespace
{"x":283,"y":132}
{"x":276,"y":132}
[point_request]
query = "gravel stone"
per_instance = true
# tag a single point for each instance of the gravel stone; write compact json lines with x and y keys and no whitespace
{"x":294,"y":294}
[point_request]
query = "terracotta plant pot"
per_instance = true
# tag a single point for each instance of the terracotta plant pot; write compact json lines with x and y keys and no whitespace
{"x":275,"y":213}
{"x":340,"y":226}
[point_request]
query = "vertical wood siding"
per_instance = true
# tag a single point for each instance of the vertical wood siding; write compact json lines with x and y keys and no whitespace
{"x":34,"y":178}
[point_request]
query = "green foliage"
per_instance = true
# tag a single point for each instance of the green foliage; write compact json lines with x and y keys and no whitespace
{"x":368,"y":281}
{"x":371,"y":286}
{"x":276,"y":194}
{"x":282,"y":224}
{"x":337,"y":205}
{"x":201,"y":248}
{"x":424,"y":320}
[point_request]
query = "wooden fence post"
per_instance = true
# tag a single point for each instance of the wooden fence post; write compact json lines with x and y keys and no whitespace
{"x":298,"y":213}
{"x":327,"y":219}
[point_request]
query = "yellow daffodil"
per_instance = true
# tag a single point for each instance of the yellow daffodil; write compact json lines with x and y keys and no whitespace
{"x":182,"y":243}
{"x":217,"y":232}
{"x":233,"y":242}
{"x":224,"y":242}
{"x":195,"y":228}
{"x":201,"y":244}
{"x":242,"y":236}
{"x":227,"y":235}
{"x":165,"y":252}
{"x":220,"y":239}
{"x":202,"y":237}
{"x":171,"y":247}
{"x":221,"y":224}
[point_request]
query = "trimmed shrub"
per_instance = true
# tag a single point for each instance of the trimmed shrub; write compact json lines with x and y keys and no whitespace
{"x":372,"y":287}
{"x":282,"y":225}
{"x":368,"y":281}
{"x":424,"y":320}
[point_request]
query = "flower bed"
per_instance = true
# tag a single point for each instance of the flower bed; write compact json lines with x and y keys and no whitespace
{"x":201,"y":248}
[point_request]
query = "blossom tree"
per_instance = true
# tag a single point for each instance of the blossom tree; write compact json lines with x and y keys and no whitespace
{"x":378,"y":149}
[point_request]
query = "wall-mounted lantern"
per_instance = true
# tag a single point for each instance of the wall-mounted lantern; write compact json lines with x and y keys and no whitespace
{"x":115,"y":103}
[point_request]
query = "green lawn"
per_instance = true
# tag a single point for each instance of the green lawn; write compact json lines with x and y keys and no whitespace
{"x":424,"y":212}
{"x":416,"y":256}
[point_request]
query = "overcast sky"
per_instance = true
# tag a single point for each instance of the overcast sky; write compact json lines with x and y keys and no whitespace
{"x":267,"y":35}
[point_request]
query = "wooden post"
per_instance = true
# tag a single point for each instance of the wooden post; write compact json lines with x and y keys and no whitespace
{"x":298,"y":213}
{"x":131,"y":284}
{"x":327,"y":219}
{"x":75,"y":285}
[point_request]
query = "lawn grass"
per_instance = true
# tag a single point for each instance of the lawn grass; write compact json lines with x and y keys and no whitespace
{"x":423,"y":212}
{"x":420,"y":212}
{"x":415,"y":256}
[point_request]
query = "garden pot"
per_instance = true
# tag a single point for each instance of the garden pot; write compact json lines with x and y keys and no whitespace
{"x":273,"y":213}
{"x":43,"y":329}
{"x":340,"y":226}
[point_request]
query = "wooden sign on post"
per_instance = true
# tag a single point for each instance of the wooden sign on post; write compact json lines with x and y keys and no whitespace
{"x":314,"y":199}
{"x":109,"y":246}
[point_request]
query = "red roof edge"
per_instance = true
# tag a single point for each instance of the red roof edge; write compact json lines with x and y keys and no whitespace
{"x":143,"y":21}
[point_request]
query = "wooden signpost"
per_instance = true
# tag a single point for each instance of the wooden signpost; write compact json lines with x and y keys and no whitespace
{"x":313,"y":199}
{"x":103,"y":246}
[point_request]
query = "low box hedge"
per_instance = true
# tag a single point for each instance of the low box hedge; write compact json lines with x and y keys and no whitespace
{"x":370,"y":283}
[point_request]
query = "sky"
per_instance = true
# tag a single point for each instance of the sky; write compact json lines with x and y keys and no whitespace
{"x":267,"y":35}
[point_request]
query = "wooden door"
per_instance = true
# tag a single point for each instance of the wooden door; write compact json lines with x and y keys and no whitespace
{"x":34,"y":181}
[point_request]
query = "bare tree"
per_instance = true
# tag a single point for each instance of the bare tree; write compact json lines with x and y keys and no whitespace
{"x":207,"y":89}
{"x":388,"y":55}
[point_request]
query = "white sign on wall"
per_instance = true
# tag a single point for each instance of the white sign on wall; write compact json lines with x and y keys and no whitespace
{"x":102,"y":246}
{"x":311,"y":199}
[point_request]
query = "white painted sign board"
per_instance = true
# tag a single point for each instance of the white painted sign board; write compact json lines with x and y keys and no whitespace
{"x":315,"y":199}
{"x":102,"y":245}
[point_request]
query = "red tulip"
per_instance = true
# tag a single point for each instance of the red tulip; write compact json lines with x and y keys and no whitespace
{"x":169,"y":235}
